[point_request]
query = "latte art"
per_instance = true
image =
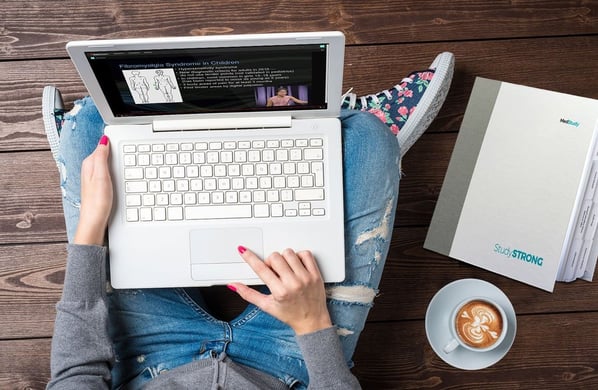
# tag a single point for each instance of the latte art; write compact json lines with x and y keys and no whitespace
{"x":479,"y":324}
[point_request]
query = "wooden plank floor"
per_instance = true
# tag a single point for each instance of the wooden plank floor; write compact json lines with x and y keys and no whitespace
{"x":546,"y":44}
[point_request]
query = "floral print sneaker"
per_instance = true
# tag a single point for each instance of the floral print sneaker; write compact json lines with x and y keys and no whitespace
{"x":409,"y":107}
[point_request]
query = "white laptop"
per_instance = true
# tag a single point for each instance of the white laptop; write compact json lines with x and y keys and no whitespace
{"x":217,"y":142}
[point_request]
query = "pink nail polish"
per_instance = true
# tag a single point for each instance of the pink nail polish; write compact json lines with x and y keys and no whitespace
{"x":104,"y":140}
{"x":231,"y":287}
{"x":241,"y":249}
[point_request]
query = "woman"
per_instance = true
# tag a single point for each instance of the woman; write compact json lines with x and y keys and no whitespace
{"x":282,"y":99}
{"x":300,"y":334}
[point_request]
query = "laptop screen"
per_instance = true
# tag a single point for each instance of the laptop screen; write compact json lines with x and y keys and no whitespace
{"x":212,"y":80}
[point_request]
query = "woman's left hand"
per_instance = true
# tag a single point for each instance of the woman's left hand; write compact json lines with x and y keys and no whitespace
{"x":96,"y":196}
{"x":297,"y":298}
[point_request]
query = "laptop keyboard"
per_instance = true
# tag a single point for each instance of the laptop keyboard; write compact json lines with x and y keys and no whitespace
{"x":225,"y":179}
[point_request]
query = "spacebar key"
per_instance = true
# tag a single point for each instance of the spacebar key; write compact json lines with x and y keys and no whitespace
{"x":218,"y":212}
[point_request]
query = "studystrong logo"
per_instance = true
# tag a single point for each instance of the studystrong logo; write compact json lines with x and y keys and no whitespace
{"x":518,"y":254}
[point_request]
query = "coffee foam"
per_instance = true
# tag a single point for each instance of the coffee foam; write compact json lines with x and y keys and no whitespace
{"x":479,"y":324}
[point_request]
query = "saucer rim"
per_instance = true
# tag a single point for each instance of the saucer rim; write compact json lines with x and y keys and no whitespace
{"x":469,"y":360}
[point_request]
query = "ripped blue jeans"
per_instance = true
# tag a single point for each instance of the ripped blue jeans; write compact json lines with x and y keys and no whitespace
{"x":154,"y":330}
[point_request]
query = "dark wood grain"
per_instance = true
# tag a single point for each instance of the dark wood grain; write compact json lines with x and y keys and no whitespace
{"x":41,"y":29}
{"x":547,"y":354}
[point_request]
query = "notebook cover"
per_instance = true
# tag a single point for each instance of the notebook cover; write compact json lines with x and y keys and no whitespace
{"x":515,"y":180}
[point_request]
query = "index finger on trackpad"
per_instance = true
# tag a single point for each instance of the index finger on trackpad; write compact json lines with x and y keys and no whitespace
{"x":220,"y":245}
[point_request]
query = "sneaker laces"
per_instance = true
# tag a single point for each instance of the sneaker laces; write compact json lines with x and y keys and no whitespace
{"x":363,"y":99}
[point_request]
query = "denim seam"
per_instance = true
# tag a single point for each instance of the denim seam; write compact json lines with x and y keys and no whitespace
{"x":198,"y":309}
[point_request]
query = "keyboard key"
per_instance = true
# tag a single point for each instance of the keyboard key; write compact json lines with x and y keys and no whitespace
{"x":316,"y":142}
{"x":133,"y":173}
{"x":149,"y":200}
{"x":168,"y":186}
{"x":215,"y":145}
{"x":174,"y":213}
{"x":135,"y":186}
{"x":133,"y":200}
{"x":190,"y":198}
{"x":261,"y":211}
{"x":176,"y":199}
{"x":313,"y":154}
{"x":159,"y":214}
{"x":162,"y":199}
{"x":132,"y":215}
{"x":130,"y":160}
{"x":231,"y":197}
{"x":276,"y":210}
{"x":318,"y":212}
{"x":303,"y":168}
{"x":309,"y":194}
{"x":317,"y":167}
{"x":307,"y":181}
{"x":151,"y":173}
{"x":145,"y":214}
{"x":218,"y":212}
{"x":143,"y":160}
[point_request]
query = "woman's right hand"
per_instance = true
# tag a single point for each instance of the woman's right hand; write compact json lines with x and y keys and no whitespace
{"x":297,"y":298}
{"x":96,"y":196}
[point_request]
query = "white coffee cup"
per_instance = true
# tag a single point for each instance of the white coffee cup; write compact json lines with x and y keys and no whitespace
{"x":478,"y":324}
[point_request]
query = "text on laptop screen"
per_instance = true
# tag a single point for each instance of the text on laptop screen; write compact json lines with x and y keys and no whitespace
{"x":212,"y":80}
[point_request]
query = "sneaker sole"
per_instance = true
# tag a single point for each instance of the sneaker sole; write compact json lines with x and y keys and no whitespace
{"x":50,"y":96}
{"x":430,"y":103}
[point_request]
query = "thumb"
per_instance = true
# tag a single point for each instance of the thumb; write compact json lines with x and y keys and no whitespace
{"x":102,"y":147}
{"x":249,"y":294}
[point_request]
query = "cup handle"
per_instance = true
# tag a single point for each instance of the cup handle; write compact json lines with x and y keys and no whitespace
{"x":450,"y":347}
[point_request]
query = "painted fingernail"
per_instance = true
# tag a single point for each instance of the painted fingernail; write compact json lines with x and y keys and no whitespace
{"x":104,"y":140}
{"x":241,"y":249}
{"x":231,"y":287}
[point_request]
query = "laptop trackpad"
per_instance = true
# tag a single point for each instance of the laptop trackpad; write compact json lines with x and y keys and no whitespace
{"x":217,"y":246}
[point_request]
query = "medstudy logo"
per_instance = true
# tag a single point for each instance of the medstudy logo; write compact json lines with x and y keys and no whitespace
{"x":519,"y":255}
{"x":569,"y":122}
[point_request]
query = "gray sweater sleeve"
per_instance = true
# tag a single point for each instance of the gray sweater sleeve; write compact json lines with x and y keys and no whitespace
{"x":325,"y":363}
{"x":81,"y":355}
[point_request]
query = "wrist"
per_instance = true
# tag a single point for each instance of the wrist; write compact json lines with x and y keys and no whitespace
{"x":311,"y":326}
{"x":87,"y":236}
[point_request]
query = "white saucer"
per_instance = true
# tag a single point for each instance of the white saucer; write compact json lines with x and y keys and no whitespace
{"x":438,"y":328}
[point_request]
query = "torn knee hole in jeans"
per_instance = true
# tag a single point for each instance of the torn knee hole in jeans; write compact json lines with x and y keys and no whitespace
{"x":352,"y":294}
{"x":382,"y":231}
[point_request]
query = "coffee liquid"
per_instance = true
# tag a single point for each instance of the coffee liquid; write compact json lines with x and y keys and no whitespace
{"x":479,"y":324}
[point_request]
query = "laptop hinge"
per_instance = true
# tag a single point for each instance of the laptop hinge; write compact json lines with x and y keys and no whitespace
{"x":221,"y":123}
